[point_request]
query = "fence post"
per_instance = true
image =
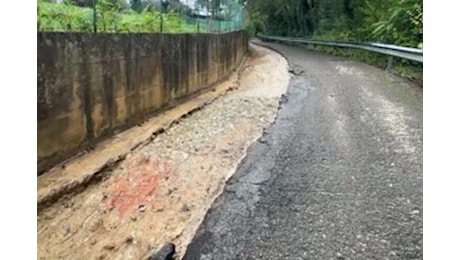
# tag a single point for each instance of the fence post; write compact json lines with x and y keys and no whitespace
{"x":161,"y":18}
{"x":94,"y":16}
{"x":207,"y":14}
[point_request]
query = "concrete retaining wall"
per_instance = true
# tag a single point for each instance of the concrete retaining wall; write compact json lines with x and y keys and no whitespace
{"x":92,"y":85}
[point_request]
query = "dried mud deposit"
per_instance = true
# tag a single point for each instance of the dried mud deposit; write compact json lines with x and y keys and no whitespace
{"x":160,"y":192}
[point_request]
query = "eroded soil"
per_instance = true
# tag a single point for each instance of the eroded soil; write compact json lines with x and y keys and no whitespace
{"x":161,"y":191}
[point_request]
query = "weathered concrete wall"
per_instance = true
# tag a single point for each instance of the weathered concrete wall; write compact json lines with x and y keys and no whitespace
{"x":90,"y":85}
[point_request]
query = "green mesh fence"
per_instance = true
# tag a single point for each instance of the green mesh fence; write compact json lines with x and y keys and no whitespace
{"x":227,"y":16}
{"x":201,"y":16}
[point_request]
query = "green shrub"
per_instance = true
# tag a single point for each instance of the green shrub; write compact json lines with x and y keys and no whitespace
{"x":110,"y":18}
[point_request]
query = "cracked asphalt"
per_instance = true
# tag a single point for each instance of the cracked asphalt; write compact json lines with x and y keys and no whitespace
{"x":338,"y":175}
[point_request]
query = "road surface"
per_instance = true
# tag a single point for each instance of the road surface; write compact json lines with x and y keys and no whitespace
{"x":338,"y":175}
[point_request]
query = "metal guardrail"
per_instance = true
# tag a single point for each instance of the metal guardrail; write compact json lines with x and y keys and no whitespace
{"x":387,"y":49}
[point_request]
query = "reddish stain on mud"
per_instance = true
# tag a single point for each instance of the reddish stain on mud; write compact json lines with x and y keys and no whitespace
{"x":136,"y":190}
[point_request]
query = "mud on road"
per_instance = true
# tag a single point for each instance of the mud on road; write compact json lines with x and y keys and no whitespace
{"x":338,"y":175}
{"x":160,"y":192}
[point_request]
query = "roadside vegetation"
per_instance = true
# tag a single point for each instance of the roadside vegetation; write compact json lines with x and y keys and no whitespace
{"x":120,"y":16}
{"x":398,"y":22}
{"x":111,"y":16}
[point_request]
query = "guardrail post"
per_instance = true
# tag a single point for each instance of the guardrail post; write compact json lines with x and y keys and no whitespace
{"x":389,"y":63}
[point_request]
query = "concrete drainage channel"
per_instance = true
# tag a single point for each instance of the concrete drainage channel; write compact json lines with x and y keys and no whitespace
{"x":159,"y":192}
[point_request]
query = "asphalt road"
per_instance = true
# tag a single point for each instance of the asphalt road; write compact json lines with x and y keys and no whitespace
{"x":337,"y":176}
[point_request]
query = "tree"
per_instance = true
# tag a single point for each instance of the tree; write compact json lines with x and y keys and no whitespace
{"x":392,"y":21}
{"x":136,"y":5}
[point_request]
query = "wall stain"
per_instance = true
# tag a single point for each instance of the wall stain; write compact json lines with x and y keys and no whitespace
{"x":121,"y":79}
